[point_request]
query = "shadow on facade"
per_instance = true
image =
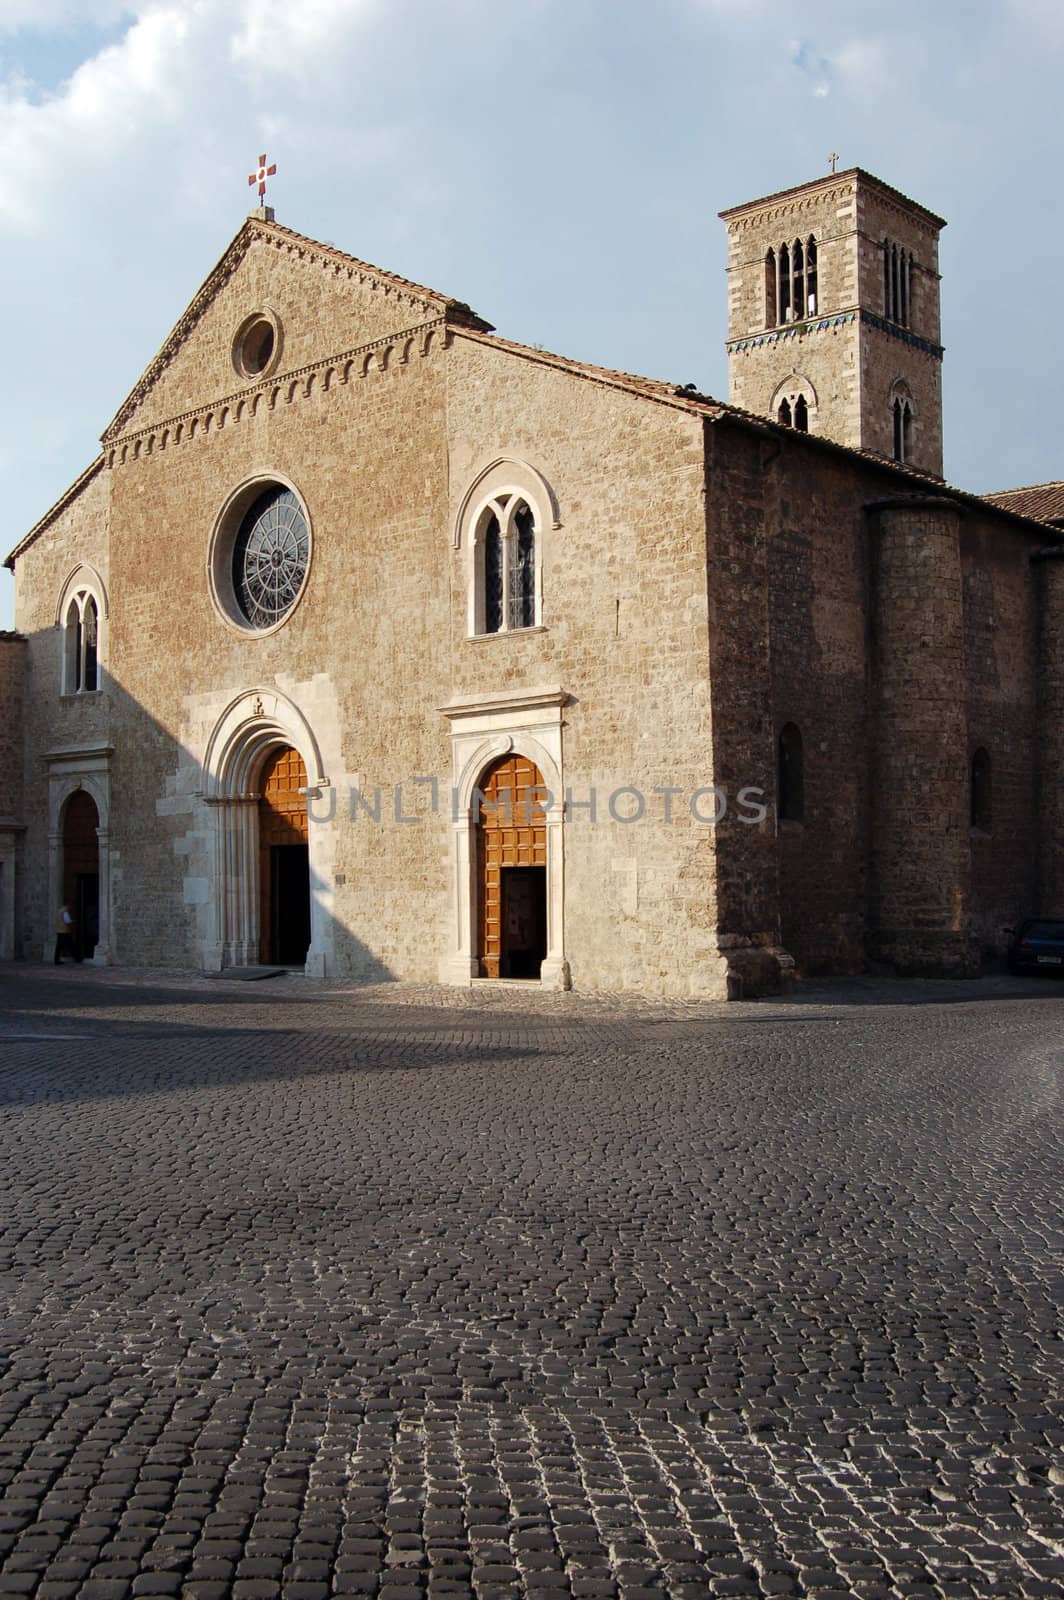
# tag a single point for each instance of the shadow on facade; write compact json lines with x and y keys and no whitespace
{"x":171,"y":855}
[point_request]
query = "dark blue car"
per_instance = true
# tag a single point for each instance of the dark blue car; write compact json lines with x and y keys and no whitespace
{"x":1037,"y":946}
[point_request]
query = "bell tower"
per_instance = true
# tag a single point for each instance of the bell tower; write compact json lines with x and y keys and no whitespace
{"x":833,"y":315}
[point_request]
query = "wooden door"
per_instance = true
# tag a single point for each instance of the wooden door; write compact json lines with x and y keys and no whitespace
{"x":512,"y":832}
{"x":282,"y":828}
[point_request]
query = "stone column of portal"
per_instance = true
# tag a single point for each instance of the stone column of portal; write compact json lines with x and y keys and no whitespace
{"x":920,"y":911}
{"x":1050,"y":745}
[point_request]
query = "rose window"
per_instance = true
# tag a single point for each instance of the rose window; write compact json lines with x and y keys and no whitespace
{"x":270,"y":556}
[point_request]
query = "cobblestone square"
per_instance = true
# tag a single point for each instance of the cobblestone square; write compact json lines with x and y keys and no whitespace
{"x":315,"y":1291}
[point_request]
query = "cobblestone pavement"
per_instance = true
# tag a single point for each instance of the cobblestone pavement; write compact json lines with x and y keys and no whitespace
{"x":313,"y":1291}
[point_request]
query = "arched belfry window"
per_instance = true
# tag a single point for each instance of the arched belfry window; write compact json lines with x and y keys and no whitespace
{"x":81,"y":614}
{"x":790,"y":775}
{"x":897,"y":283}
{"x":790,"y":281}
{"x":784,"y":413}
{"x":501,"y":525}
{"x":798,"y":278}
{"x":981,"y":790}
{"x":801,"y":414}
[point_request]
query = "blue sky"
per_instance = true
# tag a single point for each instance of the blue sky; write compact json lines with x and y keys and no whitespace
{"x":557,"y":163}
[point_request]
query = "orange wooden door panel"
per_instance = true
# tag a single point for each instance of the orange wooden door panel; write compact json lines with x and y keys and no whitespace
{"x":282,"y":820}
{"x":512,"y":832}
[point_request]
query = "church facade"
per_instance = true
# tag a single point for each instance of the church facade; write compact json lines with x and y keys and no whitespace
{"x":375,"y":644}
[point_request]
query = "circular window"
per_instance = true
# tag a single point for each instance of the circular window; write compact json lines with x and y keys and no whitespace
{"x":260,"y":556}
{"x":257,"y":345}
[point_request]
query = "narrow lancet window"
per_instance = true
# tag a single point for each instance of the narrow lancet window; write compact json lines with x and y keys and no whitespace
{"x":523,"y":570}
{"x":798,"y":272}
{"x":89,"y":645}
{"x":493,"y":585}
{"x":784,"y":414}
{"x":982,"y":812}
{"x":770,"y":289}
{"x":811,"y":301}
{"x":785,"y":284}
{"x":801,"y":414}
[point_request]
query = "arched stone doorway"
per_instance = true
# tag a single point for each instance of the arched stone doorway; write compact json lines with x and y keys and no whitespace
{"x":81,"y":870}
{"x":284,"y":859}
{"x":512,"y":870}
{"x":261,"y":765}
{"x":485,"y":730}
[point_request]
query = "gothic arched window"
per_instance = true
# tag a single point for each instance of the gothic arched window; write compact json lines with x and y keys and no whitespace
{"x":502,"y":521}
{"x":81,"y":644}
{"x":902,"y":418}
{"x":790,"y":775}
{"x":506,"y":566}
{"x":794,"y":404}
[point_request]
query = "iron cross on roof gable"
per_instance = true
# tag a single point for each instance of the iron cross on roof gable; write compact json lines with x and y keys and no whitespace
{"x":833,"y":158}
{"x":261,"y":175}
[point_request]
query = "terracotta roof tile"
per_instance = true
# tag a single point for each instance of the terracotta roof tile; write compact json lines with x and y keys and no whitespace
{"x":1042,"y":501}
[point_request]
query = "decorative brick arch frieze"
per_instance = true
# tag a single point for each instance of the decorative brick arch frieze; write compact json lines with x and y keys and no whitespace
{"x":282,"y":389}
{"x":484,"y":729}
{"x":254,"y":723}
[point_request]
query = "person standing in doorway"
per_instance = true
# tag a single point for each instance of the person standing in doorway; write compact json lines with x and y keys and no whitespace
{"x":64,"y":935}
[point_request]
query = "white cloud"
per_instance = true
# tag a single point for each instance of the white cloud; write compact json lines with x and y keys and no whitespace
{"x":276,"y":35}
{"x":861,"y":65}
{"x":183,"y":67}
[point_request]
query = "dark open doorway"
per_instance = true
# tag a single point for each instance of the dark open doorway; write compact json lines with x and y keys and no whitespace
{"x":289,"y":904}
{"x":524,"y":921}
{"x":87,"y":914}
{"x":81,"y":871}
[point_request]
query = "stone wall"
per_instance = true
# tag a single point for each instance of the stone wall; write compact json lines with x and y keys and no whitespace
{"x":12,"y":690}
{"x":76,"y":539}
{"x":891,"y":703}
{"x":1049,"y":901}
{"x":12,"y":675}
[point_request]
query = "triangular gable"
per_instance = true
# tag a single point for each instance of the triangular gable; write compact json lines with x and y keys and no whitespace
{"x":325,"y":302}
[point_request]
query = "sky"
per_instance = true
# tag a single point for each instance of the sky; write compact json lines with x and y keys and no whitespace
{"x":559,"y":164}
